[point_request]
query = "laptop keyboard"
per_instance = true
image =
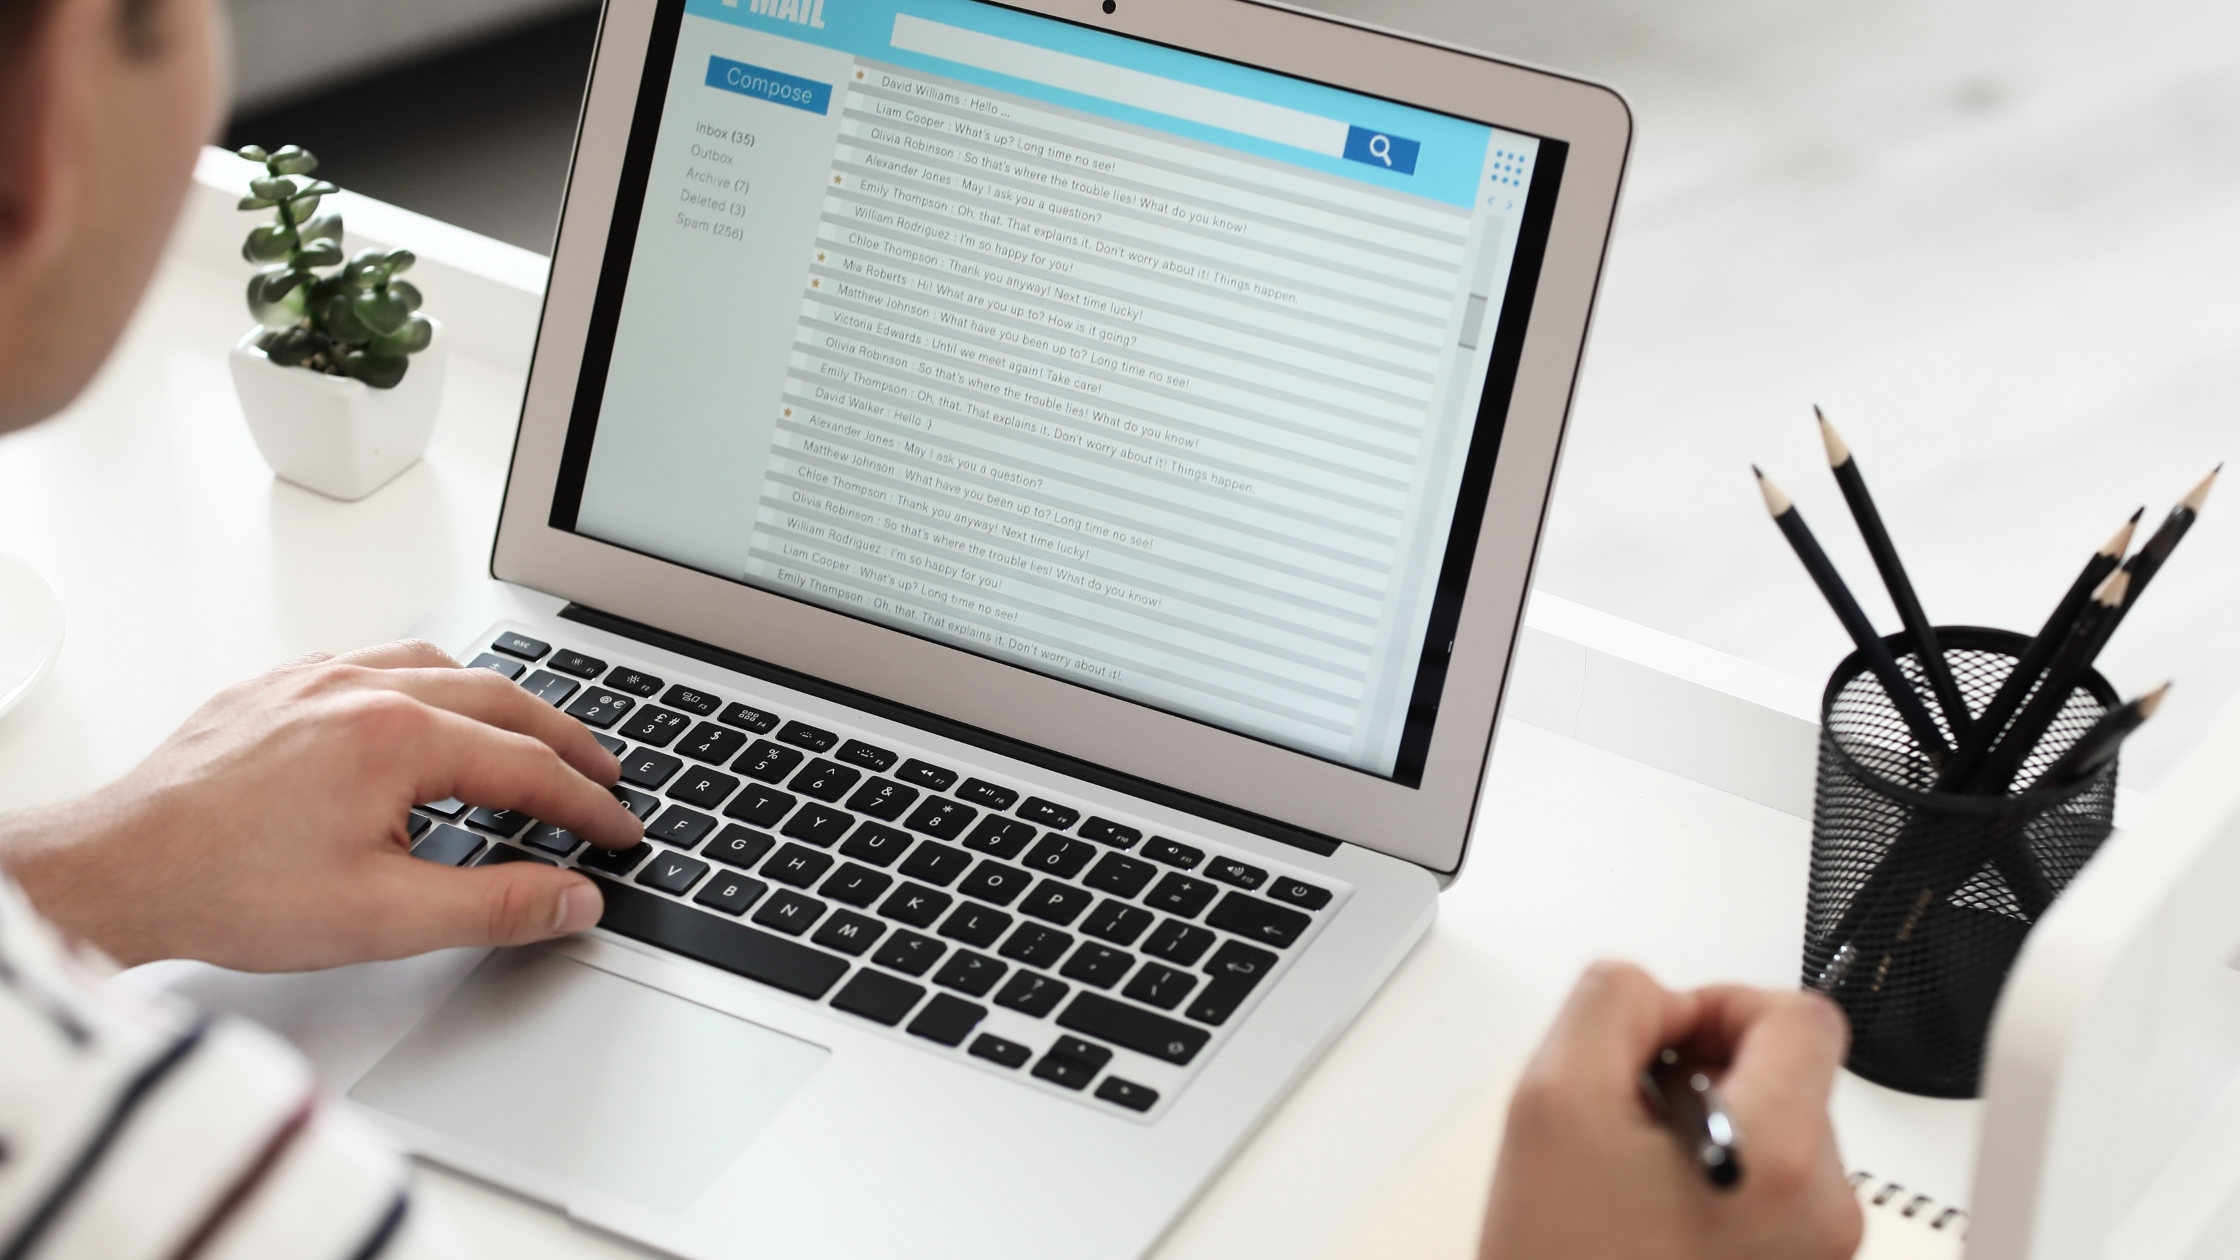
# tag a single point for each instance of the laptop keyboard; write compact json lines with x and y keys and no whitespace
{"x":977,"y":917}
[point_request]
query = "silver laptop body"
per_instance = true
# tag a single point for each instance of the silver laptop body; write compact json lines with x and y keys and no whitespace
{"x":1041,"y":500}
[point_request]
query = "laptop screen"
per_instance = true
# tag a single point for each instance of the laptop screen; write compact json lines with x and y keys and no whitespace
{"x":1160,"y":374}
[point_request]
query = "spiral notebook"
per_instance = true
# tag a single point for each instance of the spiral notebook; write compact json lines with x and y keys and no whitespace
{"x":1433,"y":1211}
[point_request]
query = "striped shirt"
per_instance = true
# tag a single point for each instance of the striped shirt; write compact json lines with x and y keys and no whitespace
{"x":133,"y":1127}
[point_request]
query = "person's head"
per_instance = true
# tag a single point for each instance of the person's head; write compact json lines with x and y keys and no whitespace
{"x":103,"y":107}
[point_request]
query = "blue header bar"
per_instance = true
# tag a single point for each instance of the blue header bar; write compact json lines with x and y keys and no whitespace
{"x":769,"y":85}
{"x":1388,"y":145}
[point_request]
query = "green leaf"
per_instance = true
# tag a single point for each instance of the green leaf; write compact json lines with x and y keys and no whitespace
{"x":410,"y":339}
{"x":327,"y":227}
{"x":303,"y":208}
{"x":256,"y":203}
{"x":294,"y":160}
{"x":291,"y":347}
{"x":252,"y":152}
{"x":381,"y":310}
{"x":269,"y":243}
{"x":341,"y":322}
{"x":273,"y":189}
{"x":400,"y":261}
{"x":275,"y":297}
{"x":381,"y":371}
{"x":320,"y":188}
{"x":319,"y":254}
{"x":408,"y":291}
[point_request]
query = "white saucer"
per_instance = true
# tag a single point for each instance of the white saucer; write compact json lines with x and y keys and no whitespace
{"x":30,"y":630}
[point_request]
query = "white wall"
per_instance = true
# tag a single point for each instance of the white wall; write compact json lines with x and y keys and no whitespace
{"x":285,"y":48}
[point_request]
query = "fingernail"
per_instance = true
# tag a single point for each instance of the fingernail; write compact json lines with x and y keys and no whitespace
{"x":579,"y":910}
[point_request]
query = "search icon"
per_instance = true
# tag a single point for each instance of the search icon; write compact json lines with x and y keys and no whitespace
{"x":1377,"y":148}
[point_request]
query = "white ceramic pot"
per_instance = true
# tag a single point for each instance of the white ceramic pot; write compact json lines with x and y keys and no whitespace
{"x":332,"y":434}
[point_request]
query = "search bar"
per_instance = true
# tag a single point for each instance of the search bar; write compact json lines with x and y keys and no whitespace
{"x":1175,"y":99}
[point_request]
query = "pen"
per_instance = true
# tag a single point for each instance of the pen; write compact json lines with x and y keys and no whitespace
{"x":1690,"y":1104}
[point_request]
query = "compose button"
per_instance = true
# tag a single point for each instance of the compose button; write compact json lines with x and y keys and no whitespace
{"x":785,"y":89}
{"x":1379,"y":148}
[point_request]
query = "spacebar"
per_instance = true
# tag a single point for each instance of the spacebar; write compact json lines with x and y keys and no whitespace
{"x":736,"y":948}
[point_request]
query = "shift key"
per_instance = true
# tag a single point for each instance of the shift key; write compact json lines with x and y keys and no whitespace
{"x":1236,"y":969}
{"x":1095,"y":1015}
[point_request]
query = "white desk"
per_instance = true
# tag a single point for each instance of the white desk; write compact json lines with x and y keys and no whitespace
{"x":184,"y":566}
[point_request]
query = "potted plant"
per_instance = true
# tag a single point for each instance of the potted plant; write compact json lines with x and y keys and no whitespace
{"x":341,"y":378}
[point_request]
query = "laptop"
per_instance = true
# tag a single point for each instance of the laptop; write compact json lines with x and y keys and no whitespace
{"x":1039,"y":498}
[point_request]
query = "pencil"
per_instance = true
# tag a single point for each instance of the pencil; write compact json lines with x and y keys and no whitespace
{"x":2172,"y":531}
{"x":2098,"y":746}
{"x":2069,"y":667}
{"x":1854,"y":619}
{"x":1895,"y":579}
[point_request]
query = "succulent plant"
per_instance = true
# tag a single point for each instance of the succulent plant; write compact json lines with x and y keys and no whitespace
{"x":359,"y":320}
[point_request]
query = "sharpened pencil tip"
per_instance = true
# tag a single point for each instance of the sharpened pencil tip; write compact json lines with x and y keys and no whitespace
{"x":2111,"y":592}
{"x":1776,"y":502}
{"x":1839,"y":454}
{"x":2116,"y":546}
{"x":2192,"y":502}
{"x":2151,"y":701}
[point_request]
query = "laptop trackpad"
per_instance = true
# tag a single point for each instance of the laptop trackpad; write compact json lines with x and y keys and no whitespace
{"x":586,"y":1076}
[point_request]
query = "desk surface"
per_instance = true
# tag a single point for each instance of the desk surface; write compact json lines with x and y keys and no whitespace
{"x":184,"y":565}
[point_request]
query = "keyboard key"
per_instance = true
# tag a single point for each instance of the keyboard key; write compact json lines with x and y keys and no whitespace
{"x":931,"y":777}
{"x":504,"y":822}
{"x":995,"y":883}
{"x":627,"y":679}
{"x":553,"y":690}
{"x":879,"y":998}
{"x":513,"y":643}
{"x":599,"y":708}
{"x":818,"y":824}
{"x":448,"y":846}
{"x":448,"y":807}
{"x":875,"y":844}
{"x":711,"y":743}
{"x":1031,"y":994}
{"x":1100,"y":965}
{"x":613,"y":746}
{"x":1139,"y":1030}
{"x":797,"y":866}
{"x":1179,"y":942}
{"x":1055,"y":902}
{"x":748,"y":718}
{"x":857,"y":753}
{"x":1231,"y":871}
{"x":767,"y":762}
{"x":683,"y":697}
{"x":1036,"y":945}
{"x":996,"y":1050}
{"x":680,"y":828}
{"x":672,"y":873}
{"x":649,"y":769}
{"x":976,"y":925}
{"x":789,"y":912}
{"x":1000,"y":837}
{"x":1117,"y":922}
{"x":947,"y":1020}
{"x":731,"y":893}
{"x":1159,"y":986}
{"x":1257,"y":920}
{"x":855,"y":884}
{"x":1048,"y":814}
{"x":1182,"y":896}
{"x":803,"y":735}
{"x":504,"y":667}
{"x":1293,"y":893}
{"x":761,"y":806}
{"x":636,"y":802}
{"x":558,"y":841}
{"x":654,"y":726}
{"x":1164,"y":850}
{"x":987,"y":795}
{"x":909,"y":953}
{"x":500,"y":854}
{"x":759,"y":956}
{"x":739,"y":846}
{"x":1120,"y":875}
{"x":585,"y":667}
{"x":1128,"y":1094}
{"x":1059,"y":855}
{"x":936,"y":864}
{"x":942,"y":818}
{"x":849,"y":932}
{"x":1105,"y":831}
{"x":1072,"y":1062}
{"x":916,"y":905}
{"x":825,"y":780}
{"x":883,"y":799}
{"x":1236,"y":969}
{"x":703,"y":787}
{"x":416,"y":825}
{"x":969,"y":973}
{"x":615,"y":861}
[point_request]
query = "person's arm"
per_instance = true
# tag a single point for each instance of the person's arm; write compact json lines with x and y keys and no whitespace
{"x":1587,"y":1169}
{"x":268,"y":833}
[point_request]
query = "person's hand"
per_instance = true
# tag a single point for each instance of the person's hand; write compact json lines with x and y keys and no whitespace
{"x":1588,"y":1171}
{"x":268,"y":833}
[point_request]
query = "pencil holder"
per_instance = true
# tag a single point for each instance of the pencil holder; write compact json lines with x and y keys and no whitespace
{"x":1919,"y":899}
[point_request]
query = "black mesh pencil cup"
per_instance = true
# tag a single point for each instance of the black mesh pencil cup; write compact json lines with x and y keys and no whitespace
{"x":1919,"y":899}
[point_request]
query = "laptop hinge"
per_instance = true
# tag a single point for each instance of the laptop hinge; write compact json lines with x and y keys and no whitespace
{"x":1213,"y":811}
